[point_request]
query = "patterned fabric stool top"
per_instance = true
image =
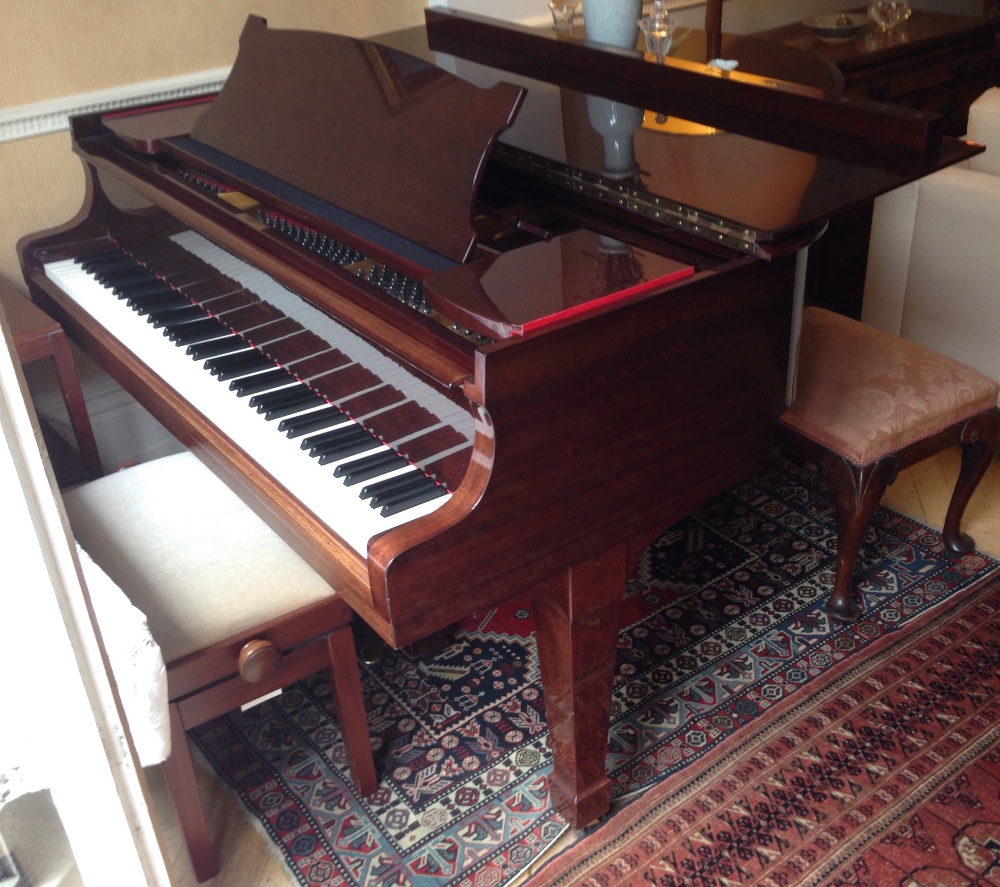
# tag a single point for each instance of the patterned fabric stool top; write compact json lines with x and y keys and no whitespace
{"x":865,"y":394}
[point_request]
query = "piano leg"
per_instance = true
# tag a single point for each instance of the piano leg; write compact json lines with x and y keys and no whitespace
{"x":576,"y":630}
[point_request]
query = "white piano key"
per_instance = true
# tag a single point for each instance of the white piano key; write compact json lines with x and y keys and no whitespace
{"x":313,"y":485}
{"x":327,"y":328}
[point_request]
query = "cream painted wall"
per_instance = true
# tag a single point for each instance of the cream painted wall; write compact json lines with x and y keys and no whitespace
{"x":57,"y":48}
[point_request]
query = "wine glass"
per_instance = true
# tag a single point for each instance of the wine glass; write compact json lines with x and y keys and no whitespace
{"x":658,"y":30}
{"x":888,"y":14}
{"x":562,"y":15}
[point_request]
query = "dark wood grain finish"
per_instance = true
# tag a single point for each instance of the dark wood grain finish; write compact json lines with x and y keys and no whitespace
{"x":783,"y":112}
{"x":935,"y":62}
{"x":402,"y":119}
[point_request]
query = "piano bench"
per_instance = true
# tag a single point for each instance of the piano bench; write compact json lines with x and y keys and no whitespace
{"x":236,"y":612}
{"x":867,"y":404}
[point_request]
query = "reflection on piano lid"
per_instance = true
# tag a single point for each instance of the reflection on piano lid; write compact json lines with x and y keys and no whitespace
{"x":543,"y":283}
{"x":752,"y":176}
{"x":782,"y":111}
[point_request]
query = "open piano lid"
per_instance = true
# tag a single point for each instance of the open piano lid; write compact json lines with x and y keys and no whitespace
{"x":381,"y":134}
{"x":372,"y":131}
{"x":740,"y":158}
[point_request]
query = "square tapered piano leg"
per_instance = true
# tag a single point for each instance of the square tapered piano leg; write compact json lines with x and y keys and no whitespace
{"x":576,"y":628}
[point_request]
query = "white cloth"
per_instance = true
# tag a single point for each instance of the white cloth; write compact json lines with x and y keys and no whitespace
{"x":136,"y":663}
{"x":139,"y":673}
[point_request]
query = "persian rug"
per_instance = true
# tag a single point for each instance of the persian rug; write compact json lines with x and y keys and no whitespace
{"x":886,"y":773}
{"x":723,"y":645}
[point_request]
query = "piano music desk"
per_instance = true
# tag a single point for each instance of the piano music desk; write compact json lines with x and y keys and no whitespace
{"x":37,"y":336}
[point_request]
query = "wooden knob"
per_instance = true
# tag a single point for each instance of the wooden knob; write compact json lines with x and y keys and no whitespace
{"x":257,"y":660}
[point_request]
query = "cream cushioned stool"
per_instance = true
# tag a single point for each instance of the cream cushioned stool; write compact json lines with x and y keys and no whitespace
{"x":867,"y":404}
{"x":236,"y":612}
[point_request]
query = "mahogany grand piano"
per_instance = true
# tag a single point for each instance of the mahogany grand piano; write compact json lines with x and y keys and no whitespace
{"x":469,"y":313}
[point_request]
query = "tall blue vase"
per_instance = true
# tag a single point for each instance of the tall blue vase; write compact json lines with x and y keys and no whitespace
{"x":613,"y":22}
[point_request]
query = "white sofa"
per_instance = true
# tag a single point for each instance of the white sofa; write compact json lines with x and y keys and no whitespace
{"x":934,"y":255}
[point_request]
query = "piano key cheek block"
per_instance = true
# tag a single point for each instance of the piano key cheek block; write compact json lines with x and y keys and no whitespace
{"x":428,"y":331}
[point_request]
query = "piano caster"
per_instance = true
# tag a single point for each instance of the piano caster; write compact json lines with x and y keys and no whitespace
{"x":371,"y":648}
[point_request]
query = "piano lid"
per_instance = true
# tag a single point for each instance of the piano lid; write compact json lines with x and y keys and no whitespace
{"x":368,"y":129}
{"x":754,"y":194}
{"x":383,"y":130}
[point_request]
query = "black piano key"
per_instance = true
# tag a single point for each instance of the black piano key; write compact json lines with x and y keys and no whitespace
{"x":250,"y":370}
{"x":145,"y":307}
{"x":296,"y":403}
{"x":269,"y":399}
{"x":120,"y":281}
{"x":348,"y":441}
{"x":353,"y":448}
{"x":238,"y":364}
{"x":114,"y":274}
{"x":412,"y":498}
{"x":255,"y":383}
{"x":199,"y":331}
{"x":397,"y":486}
{"x":145,"y":289}
{"x":168,"y":319}
{"x":392,"y":484}
{"x":105,"y":257}
{"x":148,"y":294}
{"x":315,"y":421}
{"x":348,"y":432}
{"x":368,"y":467}
{"x":248,"y":357}
{"x":145,"y":304}
{"x":178,"y":325}
{"x":217,"y":347}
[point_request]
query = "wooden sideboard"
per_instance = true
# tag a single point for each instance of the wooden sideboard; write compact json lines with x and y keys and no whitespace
{"x":935,"y":62}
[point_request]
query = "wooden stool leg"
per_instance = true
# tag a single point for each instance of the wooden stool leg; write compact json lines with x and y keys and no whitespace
{"x":980,"y":438}
{"x":75,"y":404}
{"x":856,"y":492}
{"x":345,"y":684}
{"x":178,"y":771}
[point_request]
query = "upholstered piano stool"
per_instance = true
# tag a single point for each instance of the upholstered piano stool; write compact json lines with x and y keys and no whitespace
{"x":236,"y":612}
{"x":867,"y":404}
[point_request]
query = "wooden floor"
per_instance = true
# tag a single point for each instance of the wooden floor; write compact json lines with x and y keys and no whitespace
{"x":247,"y":859}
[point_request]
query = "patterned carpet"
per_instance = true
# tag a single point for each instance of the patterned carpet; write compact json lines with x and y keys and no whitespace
{"x":726,"y":663}
{"x":886,"y":773}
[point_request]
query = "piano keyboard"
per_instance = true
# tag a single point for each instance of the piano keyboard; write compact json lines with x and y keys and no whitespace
{"x":327,"y":457}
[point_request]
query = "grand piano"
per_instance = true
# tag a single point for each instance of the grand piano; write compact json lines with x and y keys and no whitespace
{"x":469,"y":313}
